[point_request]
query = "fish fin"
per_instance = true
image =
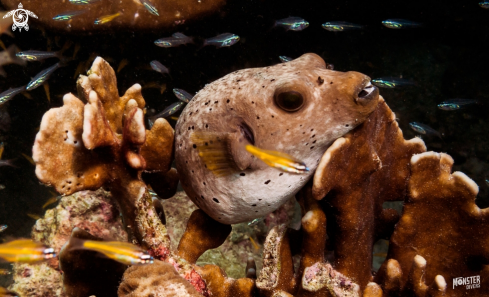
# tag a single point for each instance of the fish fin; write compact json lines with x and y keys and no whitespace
{"x":12,"y":50}
{"x":46,"y":89}
{"x":179,"y":35}
{"x":2,"y":148}
{"x":214,"y":152}
{"x":10,"y":163}
{"x":3,"y":45}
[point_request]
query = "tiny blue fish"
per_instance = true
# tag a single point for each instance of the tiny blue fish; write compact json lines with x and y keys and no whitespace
{"x":340,"y":26}
{"x":455,"y":104}
{"x":183,"y":95}
{"x":3,"y":228}
{"x":68,"y":15}
{"x":10,"y":93}
{"x":484,"y":4}
{"x":400,"y":24}
{"x":37,"y":55}
{"x":391,"y":82}
{"x":150,"y":7}
{"x":175,"y":40}
{"x":41,"y":77}
{"x":292,"y":23}
{"x":158,"y":67}
{"x":487,"y":181}
{"x":83,"y":2}
{"x":285,"y":59}
{"x":173,"y":108}
{"x":424,"y":129}
{"x":222,"y":40}
{"x":255,"y":222}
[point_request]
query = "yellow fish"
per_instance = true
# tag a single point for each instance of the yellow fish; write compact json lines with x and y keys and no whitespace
{"x":34,"y":216}
{"x":123,"y":252}
{"x":6,"y":293}
{"x":254,"y":244}
{"x":25,"y":251}
{"x":106,"y":18}
{"x":50,"y":201}
{"x":5,"y":272}
{"x":123,"y":63}
{"x":278,"y":160}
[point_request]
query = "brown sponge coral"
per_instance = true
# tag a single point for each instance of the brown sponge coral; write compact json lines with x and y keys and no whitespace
{"x":157,"y":279}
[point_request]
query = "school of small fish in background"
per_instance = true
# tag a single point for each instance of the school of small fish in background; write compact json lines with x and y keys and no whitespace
{"x":28,"y":251}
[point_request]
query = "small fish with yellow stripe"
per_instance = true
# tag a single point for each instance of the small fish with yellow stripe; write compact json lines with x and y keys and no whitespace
{"x":123,"y":252}
{"x":25,"y":251}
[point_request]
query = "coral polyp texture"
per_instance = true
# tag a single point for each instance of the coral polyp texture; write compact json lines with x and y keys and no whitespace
{"x":359,"y":161}
{"x":133,"y":15}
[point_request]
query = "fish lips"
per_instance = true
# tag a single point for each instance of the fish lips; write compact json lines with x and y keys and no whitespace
{"x":368,"y":94}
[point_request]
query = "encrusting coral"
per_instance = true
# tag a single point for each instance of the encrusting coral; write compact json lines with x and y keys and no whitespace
{"x":103,"y":143}
{"x":439,"y":238}
{"x":155,"y":280}
{"x":91,"y":211}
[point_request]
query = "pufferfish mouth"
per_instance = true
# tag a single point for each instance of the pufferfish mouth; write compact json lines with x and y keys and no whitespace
{"x":368,"y":93}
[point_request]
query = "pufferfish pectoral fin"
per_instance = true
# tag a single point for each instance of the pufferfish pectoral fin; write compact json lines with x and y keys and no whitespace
{"x":222,"y":153}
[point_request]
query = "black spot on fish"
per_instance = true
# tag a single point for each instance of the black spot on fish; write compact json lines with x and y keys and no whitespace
{"x":347,"y":125}
{"x":281,"y":173}
{"x":312,"y":147}
{"x":242,"y":174}
{"x":215,"y":200}
{"x":194,"y":146}
{"x":202,"y":196}
{"x":320,"y":80}
{"x":253,"y":205}
{"x":267,"y":182}
{"x":227,"y":101}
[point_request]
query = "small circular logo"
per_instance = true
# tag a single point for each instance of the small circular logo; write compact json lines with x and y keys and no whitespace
{"x":20,"y":17}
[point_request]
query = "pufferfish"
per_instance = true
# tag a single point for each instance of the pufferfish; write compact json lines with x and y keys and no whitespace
{"x":298,"y":108}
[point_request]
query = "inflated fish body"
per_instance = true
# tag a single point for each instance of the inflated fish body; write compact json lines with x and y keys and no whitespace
{"x":298,"y":108}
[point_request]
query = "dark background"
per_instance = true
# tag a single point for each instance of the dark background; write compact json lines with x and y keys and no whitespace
{"x":448,"y":58}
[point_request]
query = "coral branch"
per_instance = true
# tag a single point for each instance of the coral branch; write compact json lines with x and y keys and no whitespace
{"x":203,"y":233}
{"x":277,"y":273}
{"x":355,"y":176}
{"x":442,"y":223}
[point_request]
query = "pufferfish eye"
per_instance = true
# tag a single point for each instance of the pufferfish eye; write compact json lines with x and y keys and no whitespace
{"x":289,"y":101}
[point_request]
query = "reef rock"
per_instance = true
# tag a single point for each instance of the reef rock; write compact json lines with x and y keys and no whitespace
{"x":133,"y":14}
{"x":91,"y":211}
{"x":298,"y":108}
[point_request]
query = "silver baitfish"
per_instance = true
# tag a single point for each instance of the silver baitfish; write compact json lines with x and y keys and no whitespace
{"x":400,"y":24}
{"x":83,"y":2}
{"x":66,"y":16}
{"x":424,"y":129}
{"x":222,"y":40}
{"x":484,"y":4}
{"x":3,"y":228}
{"x":255,"y":222}
{"x":292,"y":23}
{"x":340,"y":26}
{"x":158,"y":67}
{"x":41,"y":77}
{"x":175,"y":40}
{"x":391,"y":82}
{"x":10,"y":93}
{"x":183,"y":95}
{"x":37,"y":55}
{"x":285,"y":59}
{"x":150,"y":7}
{"x":455,"y":104}
{"x":173,"y":108}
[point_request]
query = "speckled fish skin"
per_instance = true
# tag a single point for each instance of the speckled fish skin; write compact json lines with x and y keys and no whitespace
{"x":332,"y":108}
